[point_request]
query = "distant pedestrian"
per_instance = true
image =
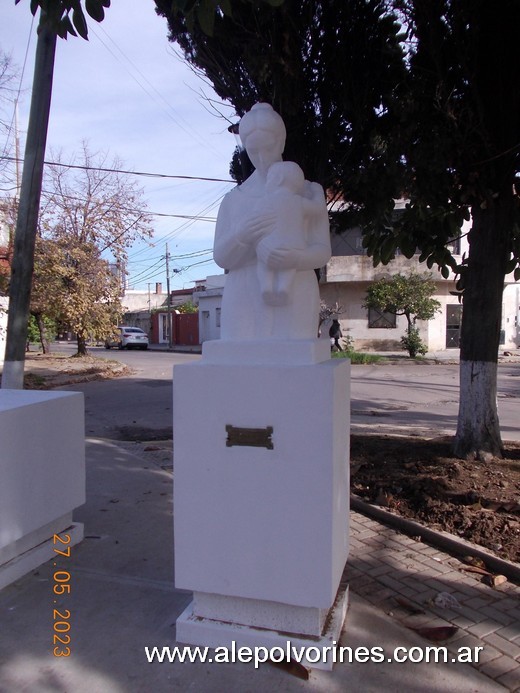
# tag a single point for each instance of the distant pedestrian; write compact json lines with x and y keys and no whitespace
{"x":335,"y":335}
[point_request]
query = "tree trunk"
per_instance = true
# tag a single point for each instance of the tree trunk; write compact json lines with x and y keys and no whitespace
{"x":82,"y":346}
{"x":478,"y":428}
{"x":43,"y":333}
{"x":28,"y":209}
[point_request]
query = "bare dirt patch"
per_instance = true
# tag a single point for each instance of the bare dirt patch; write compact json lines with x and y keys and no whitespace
{"x":421,"y":480}
{"x":47,"y":371}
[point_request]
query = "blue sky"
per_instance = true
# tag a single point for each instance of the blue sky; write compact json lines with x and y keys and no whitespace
{"x":126,"y":91}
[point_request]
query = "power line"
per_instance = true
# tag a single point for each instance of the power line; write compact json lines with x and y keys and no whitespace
{"x":170,"y":111}
{"x":143,"y":212}
{"x":130,"y":173}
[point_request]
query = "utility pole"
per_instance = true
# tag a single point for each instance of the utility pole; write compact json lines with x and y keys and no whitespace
{"x":169,"y":299}
{"x":28,"y":210}
{"x":17,"y":150}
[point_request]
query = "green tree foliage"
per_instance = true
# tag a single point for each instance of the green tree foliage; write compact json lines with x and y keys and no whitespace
{"x":458,"y":132}
{"x":459,"y":139}
{"x":401,"y":98}
{"x":8,"y":211}
{"x":40,"y":329}
{"x":186,"y":307}
{"x":202,"y":13}
{"x":410,"y":296}
{"x":67,"y":16}
{"x":77,"y":287}
{"x":331,"y":69}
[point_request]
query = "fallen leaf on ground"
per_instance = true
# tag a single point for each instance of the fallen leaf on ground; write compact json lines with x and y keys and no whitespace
{"x":293,"y":667}
{"x":495,"y":580}
{"x":475,"y":569}
{"x":474,"y":561}
{"x":436,"y":633}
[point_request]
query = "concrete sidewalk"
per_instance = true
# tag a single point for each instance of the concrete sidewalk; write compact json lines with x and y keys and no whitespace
{"x":122,"y":599}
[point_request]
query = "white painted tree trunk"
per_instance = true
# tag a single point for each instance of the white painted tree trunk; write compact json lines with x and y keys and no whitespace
{"x":478,"y":429}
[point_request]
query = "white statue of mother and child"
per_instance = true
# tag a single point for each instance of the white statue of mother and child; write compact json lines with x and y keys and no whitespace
{"x":272,"y":233}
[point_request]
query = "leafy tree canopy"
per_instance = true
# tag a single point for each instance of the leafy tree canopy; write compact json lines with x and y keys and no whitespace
{"x":385,"y":99}
{"x":331,"y":69}
{"x":67,"y":16}
{"x":459,"y":125}
{"x":410,"y":296}
{"x":399,"y":294}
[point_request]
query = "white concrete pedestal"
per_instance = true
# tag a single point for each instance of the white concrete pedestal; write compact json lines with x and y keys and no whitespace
{"x":261,"y":534}
{"x":42,"y":476}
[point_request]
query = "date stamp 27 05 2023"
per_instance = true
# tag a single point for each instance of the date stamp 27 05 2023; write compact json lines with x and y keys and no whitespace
{"x":61,"y":587}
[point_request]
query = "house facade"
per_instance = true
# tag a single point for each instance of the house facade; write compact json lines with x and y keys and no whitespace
{"x":344,"y":282}
{"x":209,"y":299}
{"x":150,"y":312}
{"x":349,"y":272}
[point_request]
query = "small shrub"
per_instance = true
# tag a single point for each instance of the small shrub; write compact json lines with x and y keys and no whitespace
{"x":413,"y":344}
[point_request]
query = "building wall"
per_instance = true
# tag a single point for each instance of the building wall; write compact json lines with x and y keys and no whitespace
{"x":346,"y":279}
{"x":4,"y":303}
{"x":511,"y":315}
{"x":210,"y":301}
{"x":136,"y":301}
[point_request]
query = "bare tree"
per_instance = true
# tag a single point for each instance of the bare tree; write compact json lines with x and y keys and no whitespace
{"x":91,"y":214}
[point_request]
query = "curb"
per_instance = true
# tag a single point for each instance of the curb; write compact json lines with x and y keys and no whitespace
{"x":442,"y":540}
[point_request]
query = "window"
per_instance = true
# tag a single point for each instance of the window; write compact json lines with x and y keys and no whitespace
{"x":377,"y":318}
{"x":217,"y":317}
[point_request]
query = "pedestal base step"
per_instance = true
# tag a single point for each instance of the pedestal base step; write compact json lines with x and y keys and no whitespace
{"x":316,"y":652}
{"x":37,"y":555}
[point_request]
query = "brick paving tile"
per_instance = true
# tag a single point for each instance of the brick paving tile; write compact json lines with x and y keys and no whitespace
{"x":486,"y":655}
{"x":510,"y":632}
{"x":452,"y":576}
{"x":509,"y":603}
{"x":480,"y":630}
{"x":498,"y":667}
{"x":506,"y":646}
{"x":436,"y":584}
{"x":380,"y":596}
{"x":391,"y":582}
{"x":411,"y":593}
{"x":464,"y":622}
{"x":364,"y":588}
{"x":447,"y":614}
{"x":386,"y":565}
{"x":499,"y":616}
{"x":379,"y":570}
{"x":511,"y":679}
{"x":468,"y":641}
{"x":479,"y":602}
{"x":463,"y":592}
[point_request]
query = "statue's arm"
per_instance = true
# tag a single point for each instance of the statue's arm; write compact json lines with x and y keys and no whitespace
{"x":229,"y":251}
{"x":318,"y":250}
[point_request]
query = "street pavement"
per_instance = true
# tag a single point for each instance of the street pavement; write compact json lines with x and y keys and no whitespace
{"x":123,"y":600}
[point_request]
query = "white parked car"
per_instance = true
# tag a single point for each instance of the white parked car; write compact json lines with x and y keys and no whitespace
{"x":128,"y":337}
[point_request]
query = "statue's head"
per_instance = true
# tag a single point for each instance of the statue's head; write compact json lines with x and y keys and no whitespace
{"x":263,"y":133}
{"x":286,"y":174}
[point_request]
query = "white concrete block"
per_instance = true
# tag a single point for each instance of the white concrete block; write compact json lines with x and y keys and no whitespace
{"x":295,"y":352}
{"x":260,"y":614}
{"x":252,"y":522}
{"x":42,"y":466}
{"x":39,"y":552}
{"x":316,"y":652}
